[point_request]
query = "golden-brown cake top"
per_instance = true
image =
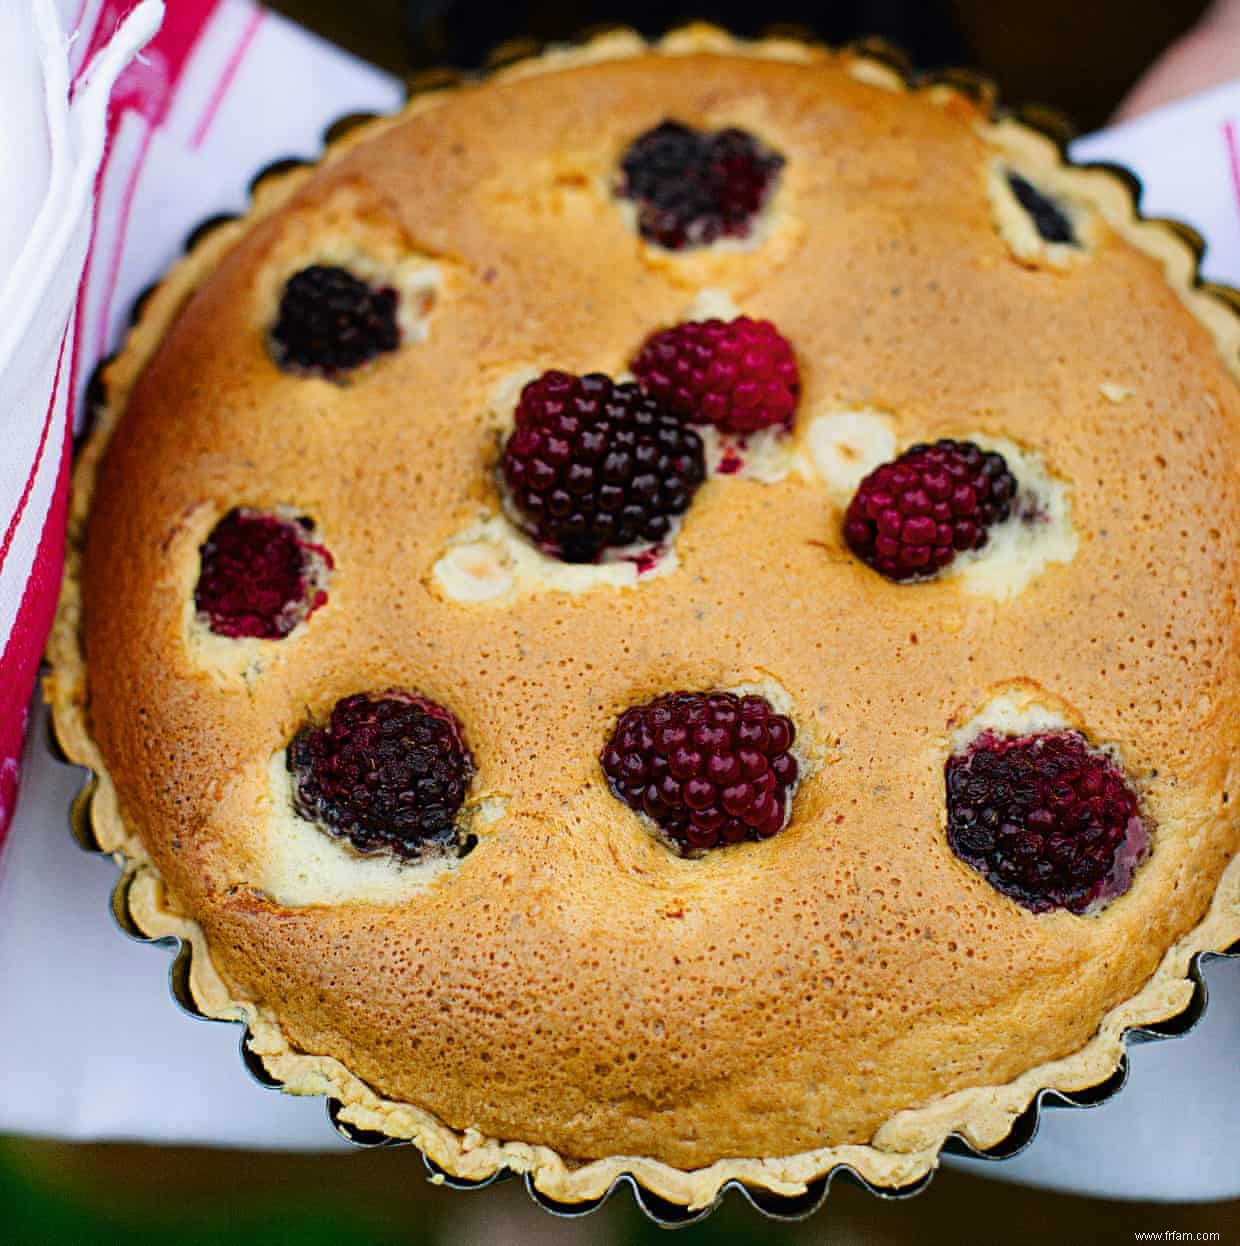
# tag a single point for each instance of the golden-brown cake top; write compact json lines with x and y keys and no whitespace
{"x":848,"y":988}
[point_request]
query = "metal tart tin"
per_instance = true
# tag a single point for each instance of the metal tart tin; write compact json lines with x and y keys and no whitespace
{"x":658,"y":1210}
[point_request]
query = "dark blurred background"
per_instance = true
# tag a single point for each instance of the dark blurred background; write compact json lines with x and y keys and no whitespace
{"x":1078,"y":56}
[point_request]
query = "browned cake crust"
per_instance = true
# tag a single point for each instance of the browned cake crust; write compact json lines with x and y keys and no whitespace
{"x":574,"y":999}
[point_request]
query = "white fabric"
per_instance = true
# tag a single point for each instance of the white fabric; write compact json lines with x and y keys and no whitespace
{"x":44,"y":231}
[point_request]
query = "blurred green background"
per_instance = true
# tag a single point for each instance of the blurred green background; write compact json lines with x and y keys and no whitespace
{"x":1078,"y":57}
{"x":142,"y":1196}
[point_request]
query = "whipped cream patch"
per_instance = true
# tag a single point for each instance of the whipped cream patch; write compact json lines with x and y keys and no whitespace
{"x":1038,"y":532}
{"x":1113,"y":392}
{"x":477,"y":568}
{"x":228,"y":659}
{"x":1013,"y":712}
{"x":489,"y":810}
{"x":845,"y":446}
{"x":489,"y":562}
{"x":766,"y":456}
{"x":712,"y":303}
{"x":418,"y":284}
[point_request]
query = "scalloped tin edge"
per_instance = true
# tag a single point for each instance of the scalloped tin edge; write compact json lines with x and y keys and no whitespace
{"x":883,"y":59}
{"x":659,"y":1210}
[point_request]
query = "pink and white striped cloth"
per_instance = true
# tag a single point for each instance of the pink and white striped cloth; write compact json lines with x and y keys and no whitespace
{"x":222,"y":89}
{"x":54,"y":99}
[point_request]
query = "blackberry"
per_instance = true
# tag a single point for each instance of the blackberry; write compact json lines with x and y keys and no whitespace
{"x":709,"y":768}
{"x":332,"y":322}
{"x":260,"y":575}
{"x":1049,"y":219}
{"x":692,"y":187}
{"x":592,"y":465}
{"x":739,"y":375}
{"x":388,"y":773}
{"x":910,"y":518}
{"x":1044,"y":818}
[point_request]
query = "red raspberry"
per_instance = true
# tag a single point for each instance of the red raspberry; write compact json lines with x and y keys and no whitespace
{"x":911,"y":517}
{"x":710,"y":768}
{"x":1045,"y":819}
{"x":739,"y":375}
{"x":388,"y":773}
{"x":593,"y":465}
{"x":331,"y":322}
{"x":692,"y":187}
{"x":260,"y":575}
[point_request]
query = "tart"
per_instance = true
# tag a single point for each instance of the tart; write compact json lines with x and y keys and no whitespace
{"x":672,"y":613}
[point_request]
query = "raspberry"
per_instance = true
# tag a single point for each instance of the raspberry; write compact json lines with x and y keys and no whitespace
{"x":260,"y":575}
{"x":331,"y":321}
{"x":692,"y":187}
{"x":1049,"y":219}
{"x":1044,"y":818}
{"x":593,"y":465}
{"x":909,"y":518}
{"x":388,"y":773}
{"x":739,"y":375}
{"x":710,"y":768}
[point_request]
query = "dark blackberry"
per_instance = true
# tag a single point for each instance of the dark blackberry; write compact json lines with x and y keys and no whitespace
{"x":909,"y":518}
{"x":388,"y":773}
{"x":1049,"y":219}
{"x":1044,"y":818}
{"x":331,"y":322}
{"x":692,"y":187}
{"x":709,"y":768}
{"x":592,"y":465}
{"x":260,"y":575}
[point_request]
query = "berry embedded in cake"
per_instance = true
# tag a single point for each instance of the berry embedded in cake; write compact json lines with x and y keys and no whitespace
{"x":260,"y":575}
{"x":911,"y":517}
{"x":1049,"y":219}
{"x":692,"y":187}
{"x":331,"y":322}
{"x":388,"y":773}
{"x":593,"y":466}
{"x":1045,"y":818}
{"x":708,"y":768}
{"x":739,"y":375}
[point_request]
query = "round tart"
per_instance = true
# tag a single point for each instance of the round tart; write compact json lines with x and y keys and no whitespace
{"x":672,"y":612}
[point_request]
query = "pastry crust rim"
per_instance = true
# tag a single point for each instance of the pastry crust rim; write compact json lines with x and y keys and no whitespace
{"x":904,"y":1152}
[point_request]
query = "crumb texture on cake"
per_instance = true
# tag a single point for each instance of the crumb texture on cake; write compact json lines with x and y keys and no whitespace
{"x":844,"y":990}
